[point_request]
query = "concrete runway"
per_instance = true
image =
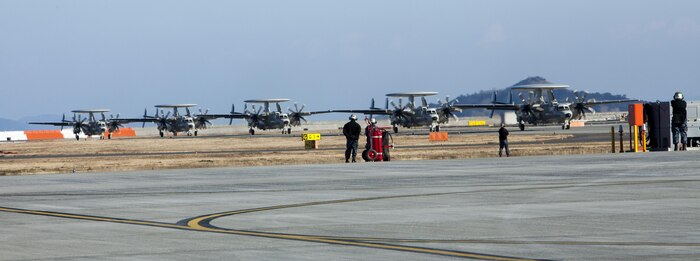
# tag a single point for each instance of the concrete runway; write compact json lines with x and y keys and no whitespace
{"x":591,"y":207}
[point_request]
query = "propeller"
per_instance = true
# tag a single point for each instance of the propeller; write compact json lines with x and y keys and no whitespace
{"x":161,"y":120}
{"x":63,"y":120}
{"x":446,"y":111}
{"x":113,"y":124}
{"x":580,"y":106}
{"x":200,"y":120}
{"x":297,"y":115}
{"x":145,"y":116}
{"x":201,"y":123}
{"x":79,"y":124}
{"x":233,"y":111}
{"x":527,"y":109}
{"x":254,"y":119}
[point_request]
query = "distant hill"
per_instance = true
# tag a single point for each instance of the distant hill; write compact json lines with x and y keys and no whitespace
{"x":484,"y":97}
{"x":21,"y":124}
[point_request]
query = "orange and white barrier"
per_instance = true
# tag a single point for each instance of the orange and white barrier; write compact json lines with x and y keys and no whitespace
{"x":55,"y":134}
{"x":438,"y":136}
{"x":575,"y":124}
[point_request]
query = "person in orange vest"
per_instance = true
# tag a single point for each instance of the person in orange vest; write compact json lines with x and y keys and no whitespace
{"x":503,"y":140}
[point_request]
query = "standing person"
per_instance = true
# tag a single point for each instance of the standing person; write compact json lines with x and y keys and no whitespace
{"x":351,"y":130}
{"x":503,"y":140}
{"x":679,"y":123}
{"x":372,"y":124}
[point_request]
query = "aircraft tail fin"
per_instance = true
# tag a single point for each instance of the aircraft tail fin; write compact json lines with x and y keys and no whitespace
{"x":494,"y":100}
{"x":233,"y":111}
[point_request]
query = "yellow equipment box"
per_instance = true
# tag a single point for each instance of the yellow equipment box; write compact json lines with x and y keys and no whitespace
{"x":311,"y":136}
{"x":476,"y":123}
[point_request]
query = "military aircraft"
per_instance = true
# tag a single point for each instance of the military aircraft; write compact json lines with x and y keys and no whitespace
{"x":264,"y":118}
{"x":174,"y":122}
{"x":412,"y":115}
{"x":541,"y":107}
{"x":90,"y":125}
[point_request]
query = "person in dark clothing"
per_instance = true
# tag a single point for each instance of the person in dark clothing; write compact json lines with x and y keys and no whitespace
{"x":351,"y":130}
{"x":503,"y":141}
{"x":679,"y":124}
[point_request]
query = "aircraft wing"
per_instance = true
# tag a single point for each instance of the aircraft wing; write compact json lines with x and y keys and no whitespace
{"x":130,"y":120}
{"x":69,"y":123}
{"x":306,"y":113}
{"x":370,"y":111}
{"x":495,"y":106}
{"x":236,"y":115}
{"x":593,"y":103}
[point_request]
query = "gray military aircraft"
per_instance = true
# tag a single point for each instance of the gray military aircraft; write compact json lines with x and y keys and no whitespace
{"x":541,"y":107}
{"x":175,"y":122}
{"x":90,"y":125}
{"x":412,"y":115}
{"x":263,"y":118}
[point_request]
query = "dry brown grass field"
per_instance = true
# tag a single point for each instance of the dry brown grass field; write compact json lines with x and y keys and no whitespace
{"x":68,"y":156}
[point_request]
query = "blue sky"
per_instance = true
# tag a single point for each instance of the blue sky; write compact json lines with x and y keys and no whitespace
{"x":56,"y":56}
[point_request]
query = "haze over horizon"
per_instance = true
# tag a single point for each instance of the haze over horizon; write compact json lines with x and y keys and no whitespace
{"x":56,"y":56}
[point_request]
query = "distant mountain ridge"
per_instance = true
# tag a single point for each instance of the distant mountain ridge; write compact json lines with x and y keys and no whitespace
{"x":21,"y":124}
{"x":484,"y":97}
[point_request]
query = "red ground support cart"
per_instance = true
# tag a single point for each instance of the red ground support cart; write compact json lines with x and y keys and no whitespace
{"x":379,"y":144}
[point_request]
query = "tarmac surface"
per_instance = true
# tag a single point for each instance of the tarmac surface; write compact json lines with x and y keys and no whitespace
{"x":584,"y":207}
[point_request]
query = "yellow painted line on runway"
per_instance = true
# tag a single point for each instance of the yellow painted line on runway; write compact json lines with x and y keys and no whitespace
{"x":91,"y":218}
{"x":518,"y":242}
{"x":194,"y":226}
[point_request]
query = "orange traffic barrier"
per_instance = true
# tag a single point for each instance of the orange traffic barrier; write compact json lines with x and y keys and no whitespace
{"x":43,"y":134}
{"x":438,"y":136}
{"x":577,"y":124}
{"x":124,"y":132}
